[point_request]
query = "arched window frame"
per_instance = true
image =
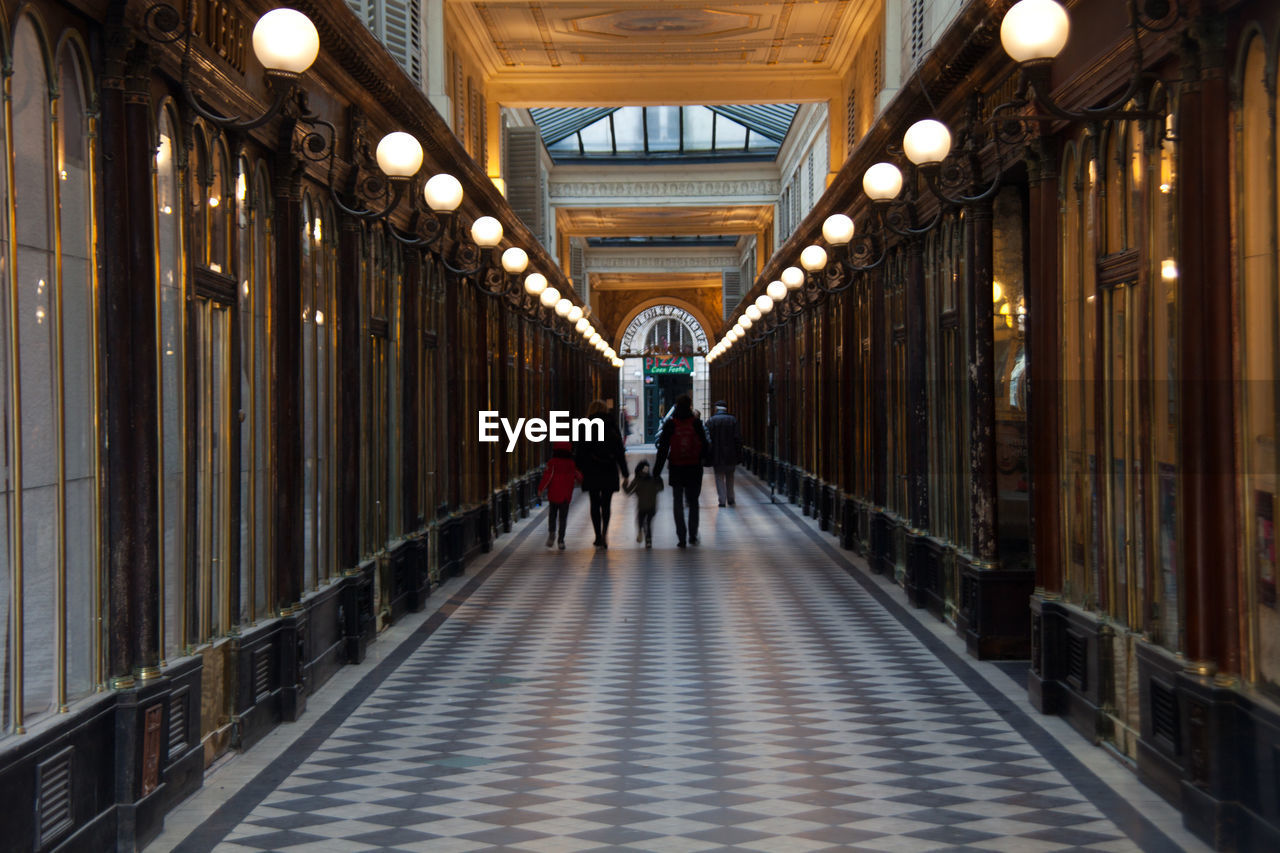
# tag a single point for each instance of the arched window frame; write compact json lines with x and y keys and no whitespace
{"x":171,"y":353}
{"x":50,"y":394}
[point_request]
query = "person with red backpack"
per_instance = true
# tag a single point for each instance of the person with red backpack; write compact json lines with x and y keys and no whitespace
{"x":558,"y":482}
{"x":683,"y":445}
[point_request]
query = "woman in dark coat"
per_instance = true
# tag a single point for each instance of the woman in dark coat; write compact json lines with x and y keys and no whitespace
{"x":601,"y":462}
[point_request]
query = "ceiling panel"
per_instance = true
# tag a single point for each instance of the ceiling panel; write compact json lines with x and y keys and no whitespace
{"x":662,"y":221}
{"x":544,"y":35}
{"x":645,"y":281}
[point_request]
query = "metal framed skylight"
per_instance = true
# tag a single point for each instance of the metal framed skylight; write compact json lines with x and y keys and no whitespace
{"x":753,"y":132}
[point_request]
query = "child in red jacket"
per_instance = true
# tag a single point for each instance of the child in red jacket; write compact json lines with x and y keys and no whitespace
{"x":558,"y":482}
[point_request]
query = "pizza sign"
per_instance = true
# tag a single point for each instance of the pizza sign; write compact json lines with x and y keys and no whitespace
{"x":659,"y":365}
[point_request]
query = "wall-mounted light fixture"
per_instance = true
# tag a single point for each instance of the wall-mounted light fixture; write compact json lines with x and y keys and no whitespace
{"x":285,"y":41}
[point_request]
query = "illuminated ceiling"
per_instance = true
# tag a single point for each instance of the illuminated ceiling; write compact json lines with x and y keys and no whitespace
{"x":521,"y":34}
{"x":602,"y":57}
{"x":629,"y":52}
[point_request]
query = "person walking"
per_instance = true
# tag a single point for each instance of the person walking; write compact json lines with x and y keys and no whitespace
{"x":558,"y":482}
{"x":600,"y":463}
{"x":683,"y":444}
{"x":645,"y":487}
{"x":725,"y":436}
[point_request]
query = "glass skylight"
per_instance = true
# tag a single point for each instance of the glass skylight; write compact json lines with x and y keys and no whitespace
{"x":752,"y":132}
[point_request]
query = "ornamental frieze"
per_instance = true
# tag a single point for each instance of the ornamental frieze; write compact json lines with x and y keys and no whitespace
{"x":659,"y":189}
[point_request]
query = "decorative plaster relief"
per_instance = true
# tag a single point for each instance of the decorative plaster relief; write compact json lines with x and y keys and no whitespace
{"x":659,"y":262}
{"x":649,"y":316}
{"x":663,"y":189}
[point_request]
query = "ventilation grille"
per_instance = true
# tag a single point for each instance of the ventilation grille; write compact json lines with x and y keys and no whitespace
{"x":917,"y":30}
{"x":747,"y":271}
{"x":1077,"y":661}
{"x":53,"y":778}
{"x":811,"y":167}
{"x":732,"y":284}
{"x":1164,"y":714}
{"x":459,"y":102}
{"x":178,"y":722}
{"x":524,"y":181}
{"x":851,"y":116}
{"x":577,"y":273}
{"x":261,"y":673}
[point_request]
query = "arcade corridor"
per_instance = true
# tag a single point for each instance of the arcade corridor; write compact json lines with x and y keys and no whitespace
{"x":760,"y":692}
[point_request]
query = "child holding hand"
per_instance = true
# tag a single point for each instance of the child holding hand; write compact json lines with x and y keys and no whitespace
{"x":645,"y":487}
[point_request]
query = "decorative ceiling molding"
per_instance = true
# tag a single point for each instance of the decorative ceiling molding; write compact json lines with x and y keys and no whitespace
{"x":633,"y":191}
{"x":780,"y":33}
{"x":651,"y":261}
{"x":548,"y":46}
{"x":830,"y":34}
{"x":632,"y":218}
{"x":604,"y":281}
{"x":491,"y":28}
{"x":629,"y":35}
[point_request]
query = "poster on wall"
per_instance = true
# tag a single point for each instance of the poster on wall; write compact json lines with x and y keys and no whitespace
{"x":1265,"y":545}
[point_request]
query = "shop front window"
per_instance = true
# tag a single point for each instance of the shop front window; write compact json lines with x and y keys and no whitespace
{"x":1257,"y":144}
{"x":51,"y":532}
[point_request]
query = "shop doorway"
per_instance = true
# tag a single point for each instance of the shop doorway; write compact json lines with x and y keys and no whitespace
{"x":660,"y":393}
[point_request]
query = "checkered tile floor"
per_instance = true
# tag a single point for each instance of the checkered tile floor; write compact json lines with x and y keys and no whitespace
{"x":747,"y":694}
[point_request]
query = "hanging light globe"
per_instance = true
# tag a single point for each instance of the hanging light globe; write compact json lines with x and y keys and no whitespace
{"x":837,"y":230}
{"x":1034,"y":30}
{"x":813,"y":258}
{"x":399,"y":154}
{"x":286,"y":42}
{"x":443,"y":193}
{"x":575,"y":314}
{"x":754,"y":313}
{"x":793,"y":278}
{"x":535,"y":283}
{"x":927,"y":142}
{"x":486,"y":232}
{"x":515,"y":260}
{"x":764,"y":303}
{"x":549,"y":297}
{"x":777,"y":291}
{"x":882,"y":182}
{"x":563,"y":307}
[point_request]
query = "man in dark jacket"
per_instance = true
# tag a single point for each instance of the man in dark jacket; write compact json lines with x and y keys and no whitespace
{"x":683,"y":442}
{"x":726,"y":449}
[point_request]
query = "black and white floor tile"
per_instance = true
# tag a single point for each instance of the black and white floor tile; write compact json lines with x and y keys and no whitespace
{"x":749,"y":694}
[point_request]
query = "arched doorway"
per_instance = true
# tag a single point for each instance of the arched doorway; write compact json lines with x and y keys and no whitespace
{"x":663,"y":350}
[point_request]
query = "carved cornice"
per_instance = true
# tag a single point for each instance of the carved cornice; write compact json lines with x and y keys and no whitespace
{"x":635,"y":190}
